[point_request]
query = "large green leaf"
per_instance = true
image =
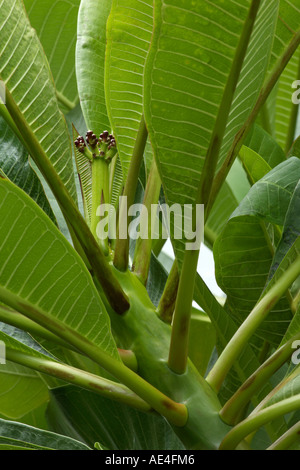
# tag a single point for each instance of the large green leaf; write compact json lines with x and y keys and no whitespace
{"x":291,"y":230}
{"x":288,"y":22}
{"x":187,"y":68}
{"x":20,"y":436}
{"x":243,"y":253}
{"x":90,"y":61}
{"x":90,"y":418}
{"x":56,"y":27}
{"x":39,"y":267}
{"x":291,"y":255}
{"x":129,"y":30}
{"x":26,"y":74}
{"x":247,"y":362}
{"x":14,"y":162}
{"x":255,"y":166}
{"x":22,"y":390}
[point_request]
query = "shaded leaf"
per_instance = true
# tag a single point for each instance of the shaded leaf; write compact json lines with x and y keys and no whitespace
{"x":265,"y":145}
{"x":190,"y":59}
{"x":90,"y":60}
{"x":115,"y":426}
{"x":14,"y":162}
{"x":19,"y":435}
{"x":56,"y":27}
{"x":26,"y":74}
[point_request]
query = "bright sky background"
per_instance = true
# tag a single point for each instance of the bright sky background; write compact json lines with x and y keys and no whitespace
{"x":206,"y":267}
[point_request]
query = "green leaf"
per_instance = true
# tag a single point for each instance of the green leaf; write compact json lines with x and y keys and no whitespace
{"x":47,"y":273}
{"x":247,"y":361}
{"x":26,"y":74}
{"x":243,"y":253}
{"x":202,"y":340}
{"x":288,"y":23}
{"x":187,"y":68}
{"x":289,"y":387}
{"x":90,"y":61}
{"x":56,"y":27}
{"x":291,"y":230}
{"x":265,"y":145}
{"x":22,"y":390}
{"x":253,"y":73}
{"x":129,"y":31}
{"x":295,"y":150}
{"x":17,"y":435}
{"x":225,"y":328}
{"x":271,"y":195}
{"x":291,"y":255}
{"x":14,"y":162}
{"x":91,"y":419}
{"x":225,"y":204}
{"x":256,"y":167}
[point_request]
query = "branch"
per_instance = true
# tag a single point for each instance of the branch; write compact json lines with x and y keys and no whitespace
{"x":213,"y":152}
{"x":224,"y":363}
{"x":18,"y":320}
{"x":181,"y":321}
{"x":254,"y":422}
{"x":167,"y":302}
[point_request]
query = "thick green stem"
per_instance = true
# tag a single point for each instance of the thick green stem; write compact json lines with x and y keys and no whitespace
{"x":100,"y":195}
{"x":178,"y":353}
{"x":176,"y":413}
{"x":101,"y":268}
{"x":84,"y":379}
{"x":167,"y":302}
{"x":230,"y":411}
{"x":288,"y":439}
{"x":221,"y":368}
{"x":23,"y":323}
{"x":255,"y":421}
{"x":242,"y":134}
{"x":142,"y":254}
{"x":121,"y":257}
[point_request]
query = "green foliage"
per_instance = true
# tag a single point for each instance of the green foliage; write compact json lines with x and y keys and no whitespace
{"x":198,"y":72}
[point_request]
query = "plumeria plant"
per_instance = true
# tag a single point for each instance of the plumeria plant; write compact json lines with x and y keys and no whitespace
{"x":123,"y":124}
